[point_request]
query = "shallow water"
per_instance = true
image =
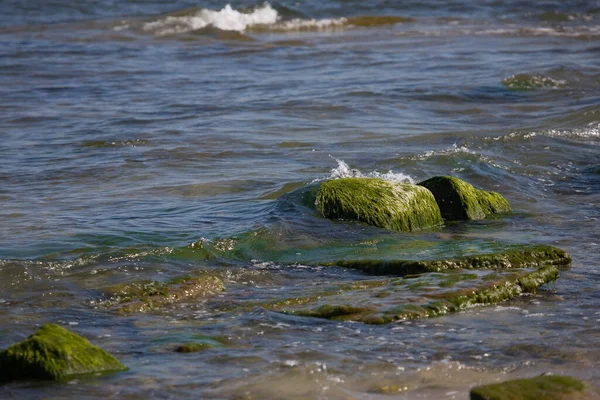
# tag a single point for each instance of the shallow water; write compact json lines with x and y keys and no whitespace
{"x":135,"y":135}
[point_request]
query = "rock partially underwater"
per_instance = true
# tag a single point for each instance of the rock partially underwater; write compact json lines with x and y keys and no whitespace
{"x":542,"y":387}
{"x":520,"y":257}
{"x":406,"y":289}
{"x":421,"y":289}
{"x":151,"y":296}
{"x":54,"y":353}
{"x":395,"y":206}
{"x":459,"y":200}
{"x":427,"y":295}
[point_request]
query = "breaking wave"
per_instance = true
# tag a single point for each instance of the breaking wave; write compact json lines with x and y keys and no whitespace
{"x":344,"y":171}
{"x":264,"y":18}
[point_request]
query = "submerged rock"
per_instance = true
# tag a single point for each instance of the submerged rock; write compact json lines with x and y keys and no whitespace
{"x":532,"y":82}
{"x":193,"y":347}
{"x":521,"y":257}
{"x":54,"y":353}
{"x":151,"y":296}
{"x":541,"y":387}
{"x":459,"y":200}
{"x":393,"y":300}
{"x":396,"y":206}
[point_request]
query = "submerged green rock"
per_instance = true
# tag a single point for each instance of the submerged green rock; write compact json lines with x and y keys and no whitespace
{"x":399,"y":304}
{"x":522,"y":257}
{"x":54,"y":353}
{"x":150,"y":296}
{"x":459,"y":200}
{"x":193,"y":347}
{"x":395,"y":206}
{"x":542,"y":387}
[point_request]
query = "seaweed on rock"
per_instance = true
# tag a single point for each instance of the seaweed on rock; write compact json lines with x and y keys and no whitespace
{"x":369,"y":308}
{"x":150,"y":296}
{"x":395,"y":206}
{"x":550,"y":387}
{"x":522,"y":257}
{"x":54,"y":353}
{"x":459,"y":200}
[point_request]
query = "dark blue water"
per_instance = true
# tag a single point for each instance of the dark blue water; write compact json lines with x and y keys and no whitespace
{"x":131,"y":130}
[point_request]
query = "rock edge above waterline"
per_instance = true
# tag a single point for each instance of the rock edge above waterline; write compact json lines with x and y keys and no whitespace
{"x":521,"y":257}
{"x":395,"y":206}
{"x":549,"y":387}
{"x":459,"y":200}
{"x":54,"y":353}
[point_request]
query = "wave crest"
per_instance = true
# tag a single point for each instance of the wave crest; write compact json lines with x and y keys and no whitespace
{"x":264,"y":18}
{"x":344,"y":171}
{"x":226,"y":19}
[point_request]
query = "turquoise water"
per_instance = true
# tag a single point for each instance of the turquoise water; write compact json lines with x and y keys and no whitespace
{"x":133,"y":132}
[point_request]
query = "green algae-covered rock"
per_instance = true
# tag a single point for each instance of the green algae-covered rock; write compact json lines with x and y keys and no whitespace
{"x":54,"y":353}
{"x":152,"y":296}
{"x":459,"y":200}
{"x":541,"y":387}
{"x":520,"y":257}
{"x":429,"y":300}
{"x":395,"y":206}
{"x":193,"y":347}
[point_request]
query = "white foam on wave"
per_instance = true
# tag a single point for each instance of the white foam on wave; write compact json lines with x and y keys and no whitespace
{"x":591,"y":132}
{"x":454,"y":149}
{"x":297,"y":24}
{"x":583,"y":32}
{"x":344,"y":171}
{"x":228,"y":19}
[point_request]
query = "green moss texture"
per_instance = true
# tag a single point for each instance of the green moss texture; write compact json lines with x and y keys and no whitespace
{"x":394,"y":206}
{"x":459,"y":200}
{"x":422,"y":304}
{"x":151,"y":296}
{"x":54,"y":353}
{"x":541,"y":387}
{"x":522,"y":257}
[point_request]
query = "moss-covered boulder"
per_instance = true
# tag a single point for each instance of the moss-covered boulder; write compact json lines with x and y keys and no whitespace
{"x":395,"y":206}
{"x":542,"y":387}
{"x":54,"y":353}
{"x":459,"y":200}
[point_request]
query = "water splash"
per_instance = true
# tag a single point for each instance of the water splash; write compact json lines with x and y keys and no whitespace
{"x":344,"y":171}
{"x":454,"y":149}
{"x":226,"y":19}
{"x":263,"y":18}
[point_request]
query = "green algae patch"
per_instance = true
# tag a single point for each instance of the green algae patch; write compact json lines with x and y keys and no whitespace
{"x":525,"y":82}
{"x":522,"y":257}
{"x":335,"y":311}
{"x":500,"y":290}
{"x":193,"y":347}
{"x":459,"y":200}
{"x":395,"y":206}
{"x":542,"y":387}
{"x":151,"y":296}
{"x":54,"y":353}
{"x":366,"y":304}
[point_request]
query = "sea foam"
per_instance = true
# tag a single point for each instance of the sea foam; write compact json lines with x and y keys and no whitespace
{"x":344,"y":171}
{"x":262,"y":18}
{"x":226,"y":19}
